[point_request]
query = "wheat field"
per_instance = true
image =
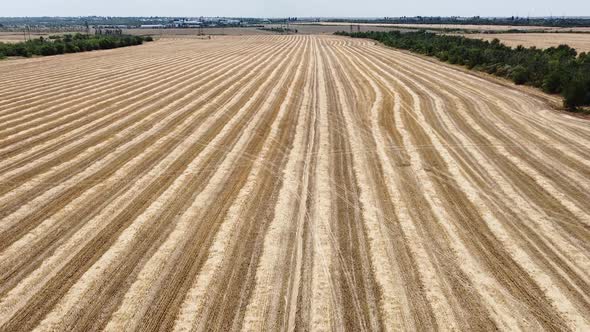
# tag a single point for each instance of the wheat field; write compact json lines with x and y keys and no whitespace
{"x":286,"y":183}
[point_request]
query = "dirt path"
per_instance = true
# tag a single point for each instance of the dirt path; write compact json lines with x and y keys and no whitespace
{"x":285,"y":183}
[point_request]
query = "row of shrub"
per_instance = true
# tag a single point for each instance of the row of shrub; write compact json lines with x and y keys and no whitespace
{"x":555,"y":70}
{"x":69,"y":44}
{"x":278,"y":30}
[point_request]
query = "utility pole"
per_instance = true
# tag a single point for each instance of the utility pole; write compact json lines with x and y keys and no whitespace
{"x":26,"y":29}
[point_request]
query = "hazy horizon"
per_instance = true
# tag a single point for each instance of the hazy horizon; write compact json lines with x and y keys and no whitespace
{"x":301,"y":8}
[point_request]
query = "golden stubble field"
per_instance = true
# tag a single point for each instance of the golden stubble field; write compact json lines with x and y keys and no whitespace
{"x":285,"y":183}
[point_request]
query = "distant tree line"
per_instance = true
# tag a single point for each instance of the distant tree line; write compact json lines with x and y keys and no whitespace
{"x":555,"y":70}
{"x":278,"y":30}
{"x":69,"y":44}
{"x":79,"y":21}
{"x":108,"y":32}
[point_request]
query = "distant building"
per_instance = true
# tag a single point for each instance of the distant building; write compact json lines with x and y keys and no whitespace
{"x":152,"y":26}
{"x":186,"y":23}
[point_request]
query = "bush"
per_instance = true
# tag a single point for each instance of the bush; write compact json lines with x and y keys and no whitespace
{"x":574,"y":94}
{"x":553,"y":82}
{"x":48,"y":49}
{"x":519,"y":75}
{"x":70,"y":48}
{"x":106,"y":43}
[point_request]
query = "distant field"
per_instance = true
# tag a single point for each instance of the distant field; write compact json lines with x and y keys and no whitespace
{"x":301,"y":29}
{"x":579,"y":41}
{"x":454,"y":26}
{"x":15,"y":37}
{"x":330,"y":29}
{"x":18,"y":36}
{"x":193,"y":32}
{"x":488,"y":27}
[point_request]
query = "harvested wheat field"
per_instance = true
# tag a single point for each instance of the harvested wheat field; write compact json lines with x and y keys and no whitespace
{"x":285,"y":183}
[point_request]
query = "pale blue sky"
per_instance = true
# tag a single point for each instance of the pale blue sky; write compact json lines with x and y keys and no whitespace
{"x":281,"y":8}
